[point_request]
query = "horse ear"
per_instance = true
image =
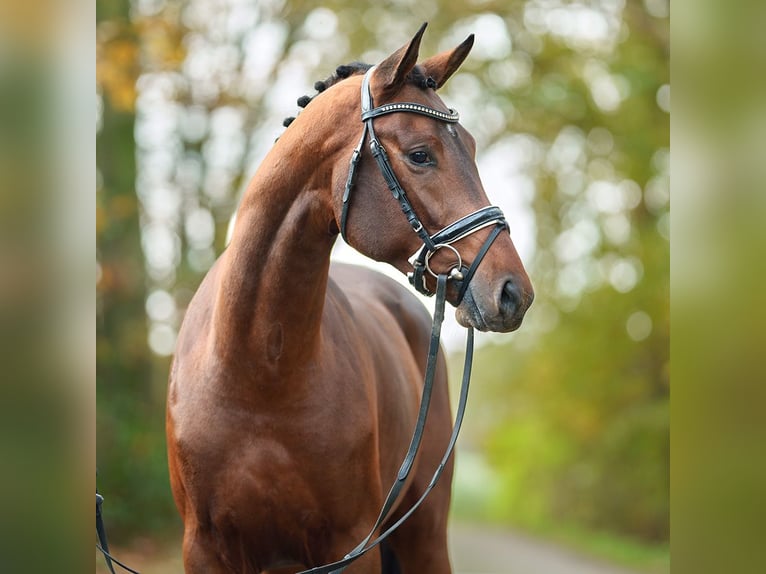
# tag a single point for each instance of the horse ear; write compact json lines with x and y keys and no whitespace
{"x":442,"y":66}
{"x":391,"y":73}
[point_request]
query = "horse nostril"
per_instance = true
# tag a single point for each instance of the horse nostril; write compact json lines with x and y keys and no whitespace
{"x":509,"y":299}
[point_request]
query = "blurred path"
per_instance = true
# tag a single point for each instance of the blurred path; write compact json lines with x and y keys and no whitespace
{"x":474,"y":550}
{"x":482,"y":550}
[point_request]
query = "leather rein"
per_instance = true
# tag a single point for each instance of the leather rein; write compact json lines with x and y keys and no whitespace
{"x":443,"y":239}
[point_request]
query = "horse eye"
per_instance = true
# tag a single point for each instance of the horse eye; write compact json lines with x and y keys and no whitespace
{"x":420,"y":157}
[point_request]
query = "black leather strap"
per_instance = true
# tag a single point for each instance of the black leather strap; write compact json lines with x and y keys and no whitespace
{"x":381,"y":157}
{"x":469,"y":224}
{"x":102,"y":545}
{"x":366,"y":545}
{"x":468,"y":275}
{"x":350,"y":182}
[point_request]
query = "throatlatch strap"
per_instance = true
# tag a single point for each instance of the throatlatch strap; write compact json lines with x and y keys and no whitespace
{"x":350,"y":182}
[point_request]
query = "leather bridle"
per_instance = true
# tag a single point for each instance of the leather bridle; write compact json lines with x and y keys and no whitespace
{"x":490,"y":216}
{"x":471,"y":223}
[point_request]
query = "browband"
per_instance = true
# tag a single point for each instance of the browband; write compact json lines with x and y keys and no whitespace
{"x":452,"y":116}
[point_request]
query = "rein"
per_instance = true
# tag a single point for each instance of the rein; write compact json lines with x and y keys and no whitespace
{"x":484,"y":217}
{"x":368,"y":543}
{"x":102,"y":545}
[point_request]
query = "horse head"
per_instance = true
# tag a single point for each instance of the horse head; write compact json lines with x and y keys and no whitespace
{"x":431,"y":157}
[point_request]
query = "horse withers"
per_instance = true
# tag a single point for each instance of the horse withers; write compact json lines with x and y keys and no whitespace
{"x":296,"y":381}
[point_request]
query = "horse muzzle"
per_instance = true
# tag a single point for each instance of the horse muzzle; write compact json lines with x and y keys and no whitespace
{"x":500,"y":309}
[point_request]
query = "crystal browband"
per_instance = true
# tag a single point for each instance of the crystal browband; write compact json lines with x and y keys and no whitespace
{"x":452,"y":116}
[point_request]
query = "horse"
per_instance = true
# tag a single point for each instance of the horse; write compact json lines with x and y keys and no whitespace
{"x":295,"y":383}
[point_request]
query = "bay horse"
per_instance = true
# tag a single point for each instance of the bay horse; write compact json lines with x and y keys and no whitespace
{"x":295,"y":384}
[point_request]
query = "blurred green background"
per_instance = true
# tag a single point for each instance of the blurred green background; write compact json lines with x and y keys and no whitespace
{"x":567,"y":431}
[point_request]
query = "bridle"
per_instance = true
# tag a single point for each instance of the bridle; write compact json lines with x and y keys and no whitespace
{"x":471,"y":223}
{"x":490,"y":216}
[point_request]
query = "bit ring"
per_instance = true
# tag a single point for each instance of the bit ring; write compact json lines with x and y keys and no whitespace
{"x":457,"y":267}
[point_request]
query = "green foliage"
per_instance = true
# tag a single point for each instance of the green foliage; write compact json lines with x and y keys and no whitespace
{"x":572,"y":413}
{"x":130,"y":454}
{"x":576,"y":424}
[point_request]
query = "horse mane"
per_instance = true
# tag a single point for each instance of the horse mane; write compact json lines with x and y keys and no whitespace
{"x":416,"y":77}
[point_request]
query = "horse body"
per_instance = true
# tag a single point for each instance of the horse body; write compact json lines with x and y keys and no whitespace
{"x":288,"y":417}
{"x":260,"y":467}
{"x":295,"y":385}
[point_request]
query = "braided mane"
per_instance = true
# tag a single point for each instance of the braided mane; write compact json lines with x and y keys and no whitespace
{"x":415,"y":77}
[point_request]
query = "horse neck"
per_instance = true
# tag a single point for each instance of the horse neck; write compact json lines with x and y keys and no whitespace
{"x":274,"y":273}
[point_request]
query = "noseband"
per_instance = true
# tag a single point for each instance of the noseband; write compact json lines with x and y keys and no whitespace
{"x":471,"y":223}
